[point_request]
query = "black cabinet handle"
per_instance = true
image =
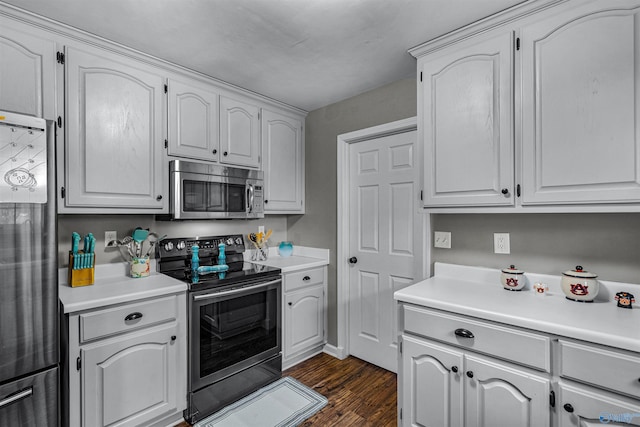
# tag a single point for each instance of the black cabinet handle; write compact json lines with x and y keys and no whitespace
{"x":454,"y":369}
{"x":470,"y":374}
{"x":353,"y":260}
{"x":215,"y":151}
{"x":306,"y":278}
{"x":290,"y":303}
{"x":463,"y":333}
{"x":225,"y":153}
{"x":266,"y":201}
{"x":505,"y":191}
{"x":133,"y":316}
{"x":552,"y":399}
{"x":173,"y":337}
{"x":567,"y":407}
{"x":159,"y":197}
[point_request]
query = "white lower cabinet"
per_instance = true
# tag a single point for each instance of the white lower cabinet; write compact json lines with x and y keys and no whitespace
{"x":461,"y":371}
{"x":442,"y":386}
{"x":127,"y":364}
{"x":304,"y":314}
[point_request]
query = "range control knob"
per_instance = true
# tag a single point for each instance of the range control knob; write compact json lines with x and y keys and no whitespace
{"x":181,"y":245}
{"x":168,"y":246}
{"x":229,"y":241}
{"x":239,"y":240}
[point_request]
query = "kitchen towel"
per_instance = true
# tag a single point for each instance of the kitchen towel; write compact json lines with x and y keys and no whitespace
{"x":283,"y":403}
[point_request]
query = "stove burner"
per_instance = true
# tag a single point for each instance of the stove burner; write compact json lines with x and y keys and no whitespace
{"x":174,"y":259}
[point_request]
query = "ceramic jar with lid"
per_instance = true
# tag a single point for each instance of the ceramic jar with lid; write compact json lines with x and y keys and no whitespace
{"x":580,"y":285}
{"x":512,"y":278}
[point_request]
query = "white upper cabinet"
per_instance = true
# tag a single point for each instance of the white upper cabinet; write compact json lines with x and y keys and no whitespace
{"x":581,"y":105}
{"x":115,"y":132}
{"x":239,"y":133}
{"x":467,"y":122}
{"x":283,"y":163}
{"x":27,"y":70}
{"x":193,"y":121}
{"x":564,"y":130}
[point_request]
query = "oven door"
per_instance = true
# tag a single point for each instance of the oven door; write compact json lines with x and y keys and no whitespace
{"x":233,"y":329}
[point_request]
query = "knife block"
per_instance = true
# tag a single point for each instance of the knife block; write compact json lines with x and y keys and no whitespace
{"x":81,"y":276}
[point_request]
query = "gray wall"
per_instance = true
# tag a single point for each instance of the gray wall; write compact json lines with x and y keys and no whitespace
{"x":605,"y":244}
{"x":318,"y":227}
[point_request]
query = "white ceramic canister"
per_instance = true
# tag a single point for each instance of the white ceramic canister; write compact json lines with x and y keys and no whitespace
{"x":580,"y":285}
{"x":512,"y":279}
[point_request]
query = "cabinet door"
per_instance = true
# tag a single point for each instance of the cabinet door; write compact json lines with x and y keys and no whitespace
{"x":115,"y":120}
{"x":283,"y":163}
{"x":581,"y":105}
{"x":499,"y":395}
{"x":131,"y":380}
{"x":589,"y":407}
{"x":304,"y":320}
{"x":467,"y":123}
{"x":193,"y":121}
{"x":239,"y":133}
{"x":27,"y":70}
{"x":431,"y":384}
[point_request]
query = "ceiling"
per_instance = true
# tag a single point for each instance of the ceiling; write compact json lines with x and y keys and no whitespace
{"x":306,"y":53}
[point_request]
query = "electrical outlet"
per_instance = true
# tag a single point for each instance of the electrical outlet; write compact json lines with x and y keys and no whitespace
{"x":110,"y":236}
{"x":442,"y":239}
{"x":501,"y":243}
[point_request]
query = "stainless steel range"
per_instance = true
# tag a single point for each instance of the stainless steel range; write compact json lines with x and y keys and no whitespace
{"x":235,"y":341}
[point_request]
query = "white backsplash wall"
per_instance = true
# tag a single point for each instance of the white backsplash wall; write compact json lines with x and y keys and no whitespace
{"x":125,"y":224}
{"x":606,"y":244}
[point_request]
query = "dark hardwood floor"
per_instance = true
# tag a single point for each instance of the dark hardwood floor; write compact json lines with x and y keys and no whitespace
{"x":360,"y":394}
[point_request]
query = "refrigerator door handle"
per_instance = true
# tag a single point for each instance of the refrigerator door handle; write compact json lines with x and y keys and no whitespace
{"x":19,"y":395}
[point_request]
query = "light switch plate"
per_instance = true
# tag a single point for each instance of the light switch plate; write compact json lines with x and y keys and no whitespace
{"x":442,"y":239}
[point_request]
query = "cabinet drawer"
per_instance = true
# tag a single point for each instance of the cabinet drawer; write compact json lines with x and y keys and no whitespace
{"x":524,"y":348}
{"x":618,"y":371}
{"x":127,"y":317}
{"x":300,"y":279}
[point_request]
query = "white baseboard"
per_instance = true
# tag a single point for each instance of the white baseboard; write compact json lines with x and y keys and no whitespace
{"x":337,"y":352}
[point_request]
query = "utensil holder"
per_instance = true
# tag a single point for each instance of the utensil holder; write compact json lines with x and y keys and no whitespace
{"x":139,"y":267}
{"x":260,"y":253}
{"x":81,"y":276}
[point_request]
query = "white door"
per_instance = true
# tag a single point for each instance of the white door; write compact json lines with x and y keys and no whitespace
{"x":432,"y":384}
{"x":581,"y":105}
{"x":382,"y":221}
{"x":466,"y":99}
{"x":193,"y":121}
{"x":239,"y":133}
{"x":282,"y":163}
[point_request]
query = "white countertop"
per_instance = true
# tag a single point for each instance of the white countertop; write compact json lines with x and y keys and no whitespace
{"x":113,"y":286}
{"x":301,"y":259}
{"x":477,"y":292}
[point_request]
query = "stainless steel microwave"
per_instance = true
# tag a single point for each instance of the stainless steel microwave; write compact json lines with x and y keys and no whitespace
{"x":205,"y":191}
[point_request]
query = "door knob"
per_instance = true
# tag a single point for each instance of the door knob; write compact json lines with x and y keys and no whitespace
{"x":353,"y":260}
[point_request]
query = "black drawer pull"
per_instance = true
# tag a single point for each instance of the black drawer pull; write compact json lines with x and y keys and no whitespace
{"x":470,"y":374}
{"x":306,"y":278}
{"x":454,"y":369}
{"x":133,"y":316}
{"x":173,"y":337}
{"x":567,"y":407}
{"x":464,"y":333}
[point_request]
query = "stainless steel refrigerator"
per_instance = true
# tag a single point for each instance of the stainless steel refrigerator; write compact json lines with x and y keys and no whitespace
{"x":29,"y":319}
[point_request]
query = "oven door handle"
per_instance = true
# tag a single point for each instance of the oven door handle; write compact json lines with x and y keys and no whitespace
{"x":234,"y":291}
{"x":249,"y":198}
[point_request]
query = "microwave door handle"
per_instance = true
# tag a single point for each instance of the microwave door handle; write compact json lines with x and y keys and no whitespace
{"x":249,"y":198}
